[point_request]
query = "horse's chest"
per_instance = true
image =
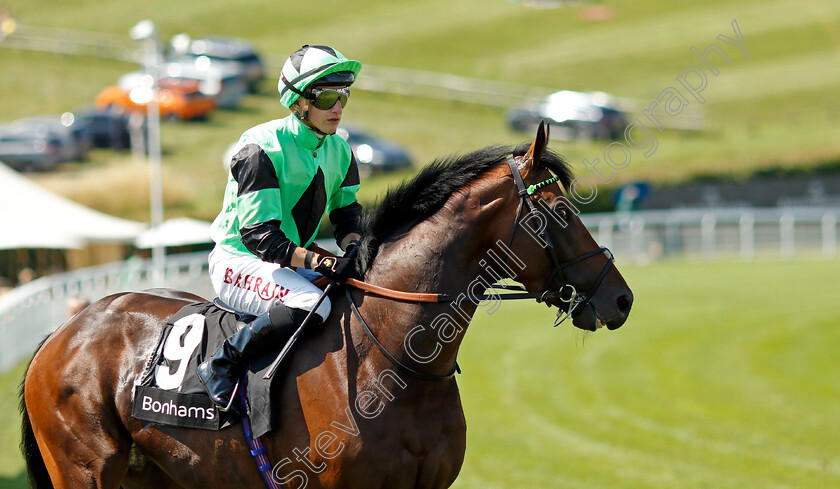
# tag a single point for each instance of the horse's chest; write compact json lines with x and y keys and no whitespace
{"x":384,"y":429}
{"x":411,"y":448}
{"x":403,"y":446}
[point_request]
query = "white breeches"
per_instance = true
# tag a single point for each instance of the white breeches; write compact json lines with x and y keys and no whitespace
{"x":251,"y":285}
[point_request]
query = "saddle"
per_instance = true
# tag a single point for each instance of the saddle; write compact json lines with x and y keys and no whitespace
{"x":168,"y":391}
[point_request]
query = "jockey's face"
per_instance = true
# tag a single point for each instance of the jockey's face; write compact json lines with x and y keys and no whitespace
{"x":325,"y":121}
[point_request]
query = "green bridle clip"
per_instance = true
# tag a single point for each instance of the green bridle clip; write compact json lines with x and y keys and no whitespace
{"x":537,"y":186}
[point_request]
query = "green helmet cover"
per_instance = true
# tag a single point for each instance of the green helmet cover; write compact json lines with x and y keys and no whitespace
{"x":308,"y":64}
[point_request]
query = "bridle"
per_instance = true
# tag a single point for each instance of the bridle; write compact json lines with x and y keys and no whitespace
{"x":571,"y":296}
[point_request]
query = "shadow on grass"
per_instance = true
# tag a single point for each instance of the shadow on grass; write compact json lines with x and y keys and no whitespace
{"x":16,"y":482}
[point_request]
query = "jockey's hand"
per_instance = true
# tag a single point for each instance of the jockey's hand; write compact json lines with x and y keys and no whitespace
{"x":335,"y":268}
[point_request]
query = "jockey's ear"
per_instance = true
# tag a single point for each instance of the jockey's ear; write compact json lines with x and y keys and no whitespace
{"x":535,"y":152}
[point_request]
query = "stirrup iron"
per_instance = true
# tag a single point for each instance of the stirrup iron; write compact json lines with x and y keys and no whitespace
{"x":232,"y":398}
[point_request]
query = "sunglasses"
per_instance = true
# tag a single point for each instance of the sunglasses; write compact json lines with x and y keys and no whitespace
{"x":325,"y":98}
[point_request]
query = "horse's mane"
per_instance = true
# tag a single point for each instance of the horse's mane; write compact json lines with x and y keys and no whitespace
{"x":413,"y":201}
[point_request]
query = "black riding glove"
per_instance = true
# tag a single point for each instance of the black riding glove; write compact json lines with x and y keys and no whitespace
{"x":335,"y":268}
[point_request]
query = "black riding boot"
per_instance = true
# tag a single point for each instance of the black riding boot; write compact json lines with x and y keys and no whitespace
{"x":220,"y":372}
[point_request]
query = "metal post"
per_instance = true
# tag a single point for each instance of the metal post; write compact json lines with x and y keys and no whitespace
{"x":786,"y":237}
{"x":637,"y":238}
{"x":829,"y":235}
{"x":707,"y":235}
{"x":155,"y":164}
{"x":146,"y":31}
{"x":747,"y":233}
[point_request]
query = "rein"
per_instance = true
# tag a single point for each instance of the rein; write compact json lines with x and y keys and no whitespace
{"x":397,"y":294}
{"x":431,"y":297}
{"x":572,"y":298}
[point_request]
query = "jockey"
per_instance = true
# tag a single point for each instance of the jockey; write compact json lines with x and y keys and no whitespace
{"x":284,"y":176}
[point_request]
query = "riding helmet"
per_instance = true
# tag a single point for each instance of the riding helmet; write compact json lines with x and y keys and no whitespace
{"x":312,"y":66}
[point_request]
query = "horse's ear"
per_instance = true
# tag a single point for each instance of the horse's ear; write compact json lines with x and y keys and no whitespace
{"x":537,"y":148}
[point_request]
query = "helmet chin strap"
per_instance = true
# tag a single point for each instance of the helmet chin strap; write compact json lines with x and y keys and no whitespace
{"x":304,"y":118}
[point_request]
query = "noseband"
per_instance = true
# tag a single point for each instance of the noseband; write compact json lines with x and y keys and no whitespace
{"x":571,"y":297}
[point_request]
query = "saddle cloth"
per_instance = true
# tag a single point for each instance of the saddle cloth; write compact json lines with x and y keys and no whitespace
{"x":169,"y":392}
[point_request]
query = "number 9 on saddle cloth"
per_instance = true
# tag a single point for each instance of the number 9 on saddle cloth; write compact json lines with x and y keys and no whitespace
{"x":169,"y":391}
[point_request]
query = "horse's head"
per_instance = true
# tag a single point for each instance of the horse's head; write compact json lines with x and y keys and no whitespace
{"x":557,"y":254}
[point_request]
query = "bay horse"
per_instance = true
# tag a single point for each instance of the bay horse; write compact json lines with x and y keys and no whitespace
{"x":358,"y":410}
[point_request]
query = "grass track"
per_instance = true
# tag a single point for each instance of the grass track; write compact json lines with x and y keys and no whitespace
{"x":724,"y":377}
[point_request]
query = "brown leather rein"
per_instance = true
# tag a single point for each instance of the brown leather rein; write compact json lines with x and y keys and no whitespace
{"x":399,"y":295}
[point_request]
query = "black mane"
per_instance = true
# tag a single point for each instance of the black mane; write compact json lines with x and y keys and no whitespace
{"x":417,"y":199}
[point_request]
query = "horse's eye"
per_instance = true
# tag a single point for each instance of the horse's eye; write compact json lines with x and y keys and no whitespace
{"x":560,"y":211}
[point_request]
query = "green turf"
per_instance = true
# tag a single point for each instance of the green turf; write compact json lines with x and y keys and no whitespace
{"x":11,"y":461}
{"x":724,"y":377}
{"x":776,"y":108}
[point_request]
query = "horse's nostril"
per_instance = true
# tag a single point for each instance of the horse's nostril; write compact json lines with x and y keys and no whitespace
{"x":625,"y":301}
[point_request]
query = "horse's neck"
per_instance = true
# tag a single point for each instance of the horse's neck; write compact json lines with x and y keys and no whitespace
{"x":438,"y":255}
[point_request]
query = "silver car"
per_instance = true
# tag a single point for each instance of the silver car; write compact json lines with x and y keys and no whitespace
{"x":76,"y":142}
{"x":226,"y":53}
{"x":27,"y":151}
{"x":40,"y":143}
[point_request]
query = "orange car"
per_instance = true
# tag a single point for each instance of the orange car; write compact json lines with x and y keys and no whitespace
{"x":176,"y":100}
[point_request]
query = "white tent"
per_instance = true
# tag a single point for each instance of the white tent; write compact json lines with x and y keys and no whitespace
{"x":180,"y":231}
{"x":34,"y":217}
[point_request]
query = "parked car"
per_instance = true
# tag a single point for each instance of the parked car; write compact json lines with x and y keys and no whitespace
{"x":30,"y":151}
{"x":176,"y":99}
{"x":228,"y":53}
{"x":218,"y":81}
{"x":108,"y":128}
{"x":572,"y":115}
{"x":374,"y":154}
{"x":74,"y":142}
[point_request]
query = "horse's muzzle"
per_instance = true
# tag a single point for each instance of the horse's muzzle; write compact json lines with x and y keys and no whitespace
{"x":593,"y":315}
